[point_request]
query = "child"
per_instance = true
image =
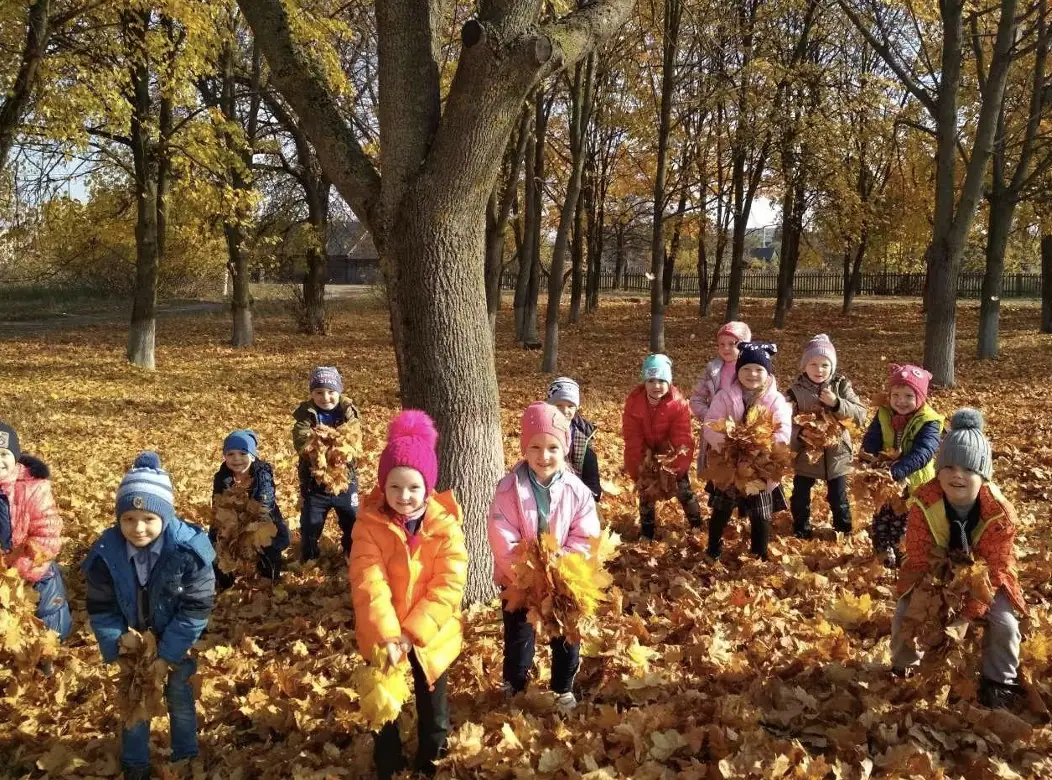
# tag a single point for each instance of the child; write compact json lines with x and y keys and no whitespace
{"x":31,"y":532}
{"x":539,"y":495}
{"x":962,"y":514}
{"x":755,"y":384}
{"x":718,"y":375}
{"x":152,"y":571}
{"x":911,"y":427}
{"x":819,"y":387}
{"x":657,"y":418}
{"x":241,"y":467}
{"x":565,"y":394}
{"x":327,"y":406}
{"x":408,"y":568}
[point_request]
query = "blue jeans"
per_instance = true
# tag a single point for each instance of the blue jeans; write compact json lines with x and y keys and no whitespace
{"x":520,"y":642}
{"x":53,"y":606}
{"x":182,"y":716}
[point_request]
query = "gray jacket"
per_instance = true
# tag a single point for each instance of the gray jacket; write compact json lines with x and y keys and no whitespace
{"x":803,"y":395}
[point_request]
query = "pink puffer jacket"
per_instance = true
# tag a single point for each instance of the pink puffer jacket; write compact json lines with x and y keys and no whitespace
{"x":730,"y":403}
{"x":36,"y":526}
{"x":513,"y":517}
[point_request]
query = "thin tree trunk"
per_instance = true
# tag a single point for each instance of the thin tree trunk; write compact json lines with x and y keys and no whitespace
{"x":619,"y":255}
{"x":1046,"y":283}
{"x":522,"y":279}
{"x":313,"y":317}
{"x":703,"y":269}
{"x":998,"y":227}
{"x":853,"y":271}
{"x":498,"y":211}
{"x":12,"y":110}
{"x":577,"y":255}
{"x":594,"y":230}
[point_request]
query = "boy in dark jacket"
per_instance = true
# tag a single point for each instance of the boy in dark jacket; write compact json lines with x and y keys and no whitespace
{"x":819,"y":387}
{"x":910,"y":427}
{"x":327,"y":406}
{"x":241,"y":466}
{"x":152,"y":571}
{"x":565,"y":394}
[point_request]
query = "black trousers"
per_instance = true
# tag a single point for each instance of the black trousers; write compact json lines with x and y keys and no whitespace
{"x":520,"y":645}
{"x":759,"y":508}
{"x":687,"y":499}
{"x":836,"y":493}
{"x":432,"y":715}
{"x":315,"y":511}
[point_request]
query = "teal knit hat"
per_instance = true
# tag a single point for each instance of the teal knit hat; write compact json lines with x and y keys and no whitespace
{"x":657,"y":367}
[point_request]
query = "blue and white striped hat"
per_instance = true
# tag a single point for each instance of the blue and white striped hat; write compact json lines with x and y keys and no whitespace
{"x":147,"y":487}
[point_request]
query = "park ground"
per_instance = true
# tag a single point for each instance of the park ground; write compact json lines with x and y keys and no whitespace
{"x":747,"y":669}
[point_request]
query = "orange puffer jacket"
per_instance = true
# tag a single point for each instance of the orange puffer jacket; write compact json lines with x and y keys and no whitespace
{"x":992,"y":541}
{"x":417,"y":593}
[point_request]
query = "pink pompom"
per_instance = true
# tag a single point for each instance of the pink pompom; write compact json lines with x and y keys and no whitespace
{"x":413,"y":424}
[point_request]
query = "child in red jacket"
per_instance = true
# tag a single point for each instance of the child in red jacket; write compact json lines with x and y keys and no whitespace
{"x":657,"y":419}
{"x":31,"y":531}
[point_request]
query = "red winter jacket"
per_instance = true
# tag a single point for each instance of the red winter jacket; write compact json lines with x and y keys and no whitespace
{"x":665,"y":427}
{"x":36,"y":527}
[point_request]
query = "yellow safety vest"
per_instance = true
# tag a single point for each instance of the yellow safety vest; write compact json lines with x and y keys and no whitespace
{"x":920,"y":418}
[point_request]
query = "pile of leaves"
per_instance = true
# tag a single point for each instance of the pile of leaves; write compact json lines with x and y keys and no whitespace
{"x":561,"y":591}
{"x":382,"y":689}
{"x":24,"y":639}
{"x":821,"y":430}
{"x":749,"y":457}
{"x":331,"y":453}
{"x":872,"y":485}
{"x":243,"y":527}
{"x":140,"y":684}
{"x":939,"y":597}
{"x":657,"y":477}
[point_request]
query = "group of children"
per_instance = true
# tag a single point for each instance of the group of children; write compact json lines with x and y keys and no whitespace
{"x":407,"y":556}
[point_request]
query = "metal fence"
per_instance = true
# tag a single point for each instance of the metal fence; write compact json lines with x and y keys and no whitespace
{"x":820,"y":284}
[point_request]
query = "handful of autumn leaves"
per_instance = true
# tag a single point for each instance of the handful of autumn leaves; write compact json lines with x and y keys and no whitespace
{"x":24,"y":639}
{"x":821,"y":430}
{"x":749,"y":457}
{"x":140,"y":686}
{"x":872,"y":484}
{"x":330,"y":452}
{"x":382,"y":689}
{"x":657,"y":477}
{"x":561,"y":591}
{"x":940,"y":597}
{"x":243,"y":528}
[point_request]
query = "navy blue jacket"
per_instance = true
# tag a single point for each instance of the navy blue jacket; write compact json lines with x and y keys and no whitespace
{"x":925,"y":444}
{"x":263,"y":491}
{"x":180,"y":592}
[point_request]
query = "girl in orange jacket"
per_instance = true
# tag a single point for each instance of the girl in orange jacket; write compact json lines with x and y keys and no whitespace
{"x":408,"y":567}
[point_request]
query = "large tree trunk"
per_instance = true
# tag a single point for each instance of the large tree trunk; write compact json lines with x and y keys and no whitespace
{"x":580,"y":100}
{"x":853,"y":271}
{"x":1002,"y":209}
{"x":313,"y":320}
{"x":428,"y":211}
{"x":1046,"y":283}
{"x":38,"y":31}
{"x":734,"y":283}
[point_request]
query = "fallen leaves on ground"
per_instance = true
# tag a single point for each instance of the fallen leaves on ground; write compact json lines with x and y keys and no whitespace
{"x":763,"y":670}
{"x":331,"y":452}
{"x":749,"y":458}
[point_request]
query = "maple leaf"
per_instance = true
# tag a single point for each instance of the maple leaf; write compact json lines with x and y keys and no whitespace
{"x":749,"y":458}
{"x":331,"y":453}
{"x":382,"y":689}
{"x":850,"y":610}
{"x":872,"y":485}
{"x":24,"y":639}
{"x":243,"y":527}
{"x":821,"y":430}
{"x":141,"y":681}
{"x":657,"y":477}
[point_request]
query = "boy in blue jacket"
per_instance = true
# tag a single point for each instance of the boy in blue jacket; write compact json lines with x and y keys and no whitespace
{"x":152,"y":571}
{"x":241,"y":466}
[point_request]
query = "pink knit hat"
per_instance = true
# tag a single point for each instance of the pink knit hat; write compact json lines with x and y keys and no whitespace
{"x":739,"y":330}
{"x":819,"y":346}
{"x":542,"y":417}
{"x":411,"y":440}
{"x":913,"y":377}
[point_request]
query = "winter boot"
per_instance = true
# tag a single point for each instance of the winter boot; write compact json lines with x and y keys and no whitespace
{"x":998,"y":696}
{"x":648,"y":522}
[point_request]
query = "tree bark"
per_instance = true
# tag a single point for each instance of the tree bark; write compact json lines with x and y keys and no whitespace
{"x":534,"y":214}
{"x":619,"y":255}
{"x":13,"y":108}
{"x":313,"y":320}
{"x":577,"y":264}
{"x":670,"y":48}
{"x":580,"y":100}
{"x":522,"y":280}
{"x":1046,"y":283}
{"x":594,"y":232}
{"x":853,"y":271}
{"x":498,"y":212}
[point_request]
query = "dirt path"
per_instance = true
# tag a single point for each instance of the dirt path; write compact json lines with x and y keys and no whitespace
{"x":21,"y":328}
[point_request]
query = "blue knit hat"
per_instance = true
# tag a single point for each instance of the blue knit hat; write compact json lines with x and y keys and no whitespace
{"x":657,"y":367}
{"x":755,"y":353}
{"x":241,"y":440}
{"x":327,"y":378}
{"x":147,"y":488}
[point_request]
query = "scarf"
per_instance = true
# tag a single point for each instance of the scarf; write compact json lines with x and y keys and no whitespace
{"x":411,"y":525}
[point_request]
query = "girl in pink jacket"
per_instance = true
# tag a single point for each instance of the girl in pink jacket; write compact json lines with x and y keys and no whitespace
{"x":755,"y":384}
{"x":31,"y":531}
{"x":540,"y":494}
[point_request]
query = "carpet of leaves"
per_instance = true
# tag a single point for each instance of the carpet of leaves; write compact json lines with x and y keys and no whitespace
{"x":742,"y":669}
